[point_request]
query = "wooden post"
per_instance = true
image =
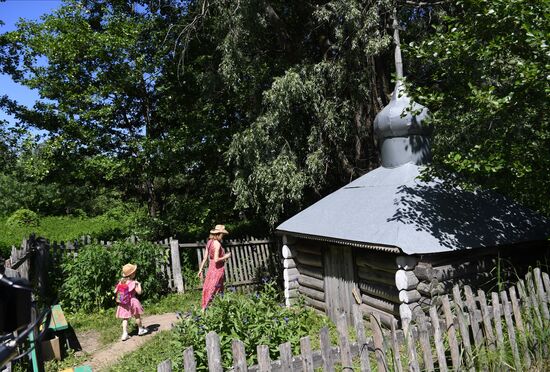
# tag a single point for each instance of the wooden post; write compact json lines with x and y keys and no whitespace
{"x":540,"y":292}
{"x":176,"y":265}
{"x":189,"y":363}
{"x":286,"y":357}
{"x":213,"y":352}
{"x":519,"y":324}
{"x":378,"y":337}
{"x":165,"y":366}
{"x":438,"y":340}
{"x":410,"y":342}
{"x":451,"y":332}
{"x":490,"y":337}
{"x":361,"y":339}
{"x":474,"y":318}
{"x":239,"y":356}
{"x":326,"y":353}
{"x":345,"y":351}
{"x":425,"y":344}
{"x":307,"y":357}
{"x":264,"y":361}
{"x":464,"y":333}
{"x":511,"y":330}
{"x":498,"y":324}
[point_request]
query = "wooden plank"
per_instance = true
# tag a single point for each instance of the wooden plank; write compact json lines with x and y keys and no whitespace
{"x":533,"y":297}
{"x":239,"y":356}
{"x":189,"y":363}
{"x":307,"y":357}
{"x":311,"y":271}
{"x":511,"y":330}
{"x":474,"y":318}
{"x":372,"y":275}
{"x":310,"y":282}
{"x":486,"y":316}
{"x":286,"y":357}
{"x":309,"y":259}
{"x":326,"y":354}
{"x":378,"y":303}
{"x":176,"y":265}
{"x":377,"y":261}
{"x":438,"y":340}
{"x":345,"y":352}
{"x":543,"y":300}
{"x":386,"y":292}
{"x":213,"y":352}
{"x":497,"y":320}
{"x":378,"y":337}
{"x":424,"y":338}
{"x":519,"y":324}
{"x":396,"y":350}
{"x":410,"y":342}
{"x":457,"y":297}
{"x":264,"y":361}
{"x":165,"y":366}
{"x":312,"y":293}
{"x":361,"y":338}
{"x":464,"y":332}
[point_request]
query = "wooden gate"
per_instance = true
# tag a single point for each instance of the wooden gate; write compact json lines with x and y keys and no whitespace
{"x":339,"y":281}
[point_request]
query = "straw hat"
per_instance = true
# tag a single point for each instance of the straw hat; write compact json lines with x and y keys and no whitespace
{"x":128,"y":270}
{"x":219,"y":229}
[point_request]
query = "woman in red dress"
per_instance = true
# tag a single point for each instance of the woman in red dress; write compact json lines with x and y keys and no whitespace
{"x":216,"y":271}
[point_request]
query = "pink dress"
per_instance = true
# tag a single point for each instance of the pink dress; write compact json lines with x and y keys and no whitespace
{"x":133,"y":308}
{"x":213,"y":283}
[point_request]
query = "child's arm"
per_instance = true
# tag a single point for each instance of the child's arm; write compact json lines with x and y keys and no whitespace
{"x":138,"y":288}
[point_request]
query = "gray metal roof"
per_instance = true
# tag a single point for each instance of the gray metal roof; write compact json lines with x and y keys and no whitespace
{"x":391,"y":207}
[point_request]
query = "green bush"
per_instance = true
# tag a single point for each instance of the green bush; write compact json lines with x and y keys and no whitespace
{"x":23,"y":217}
{"x":259,"y":319}
{"x":90,"y":278}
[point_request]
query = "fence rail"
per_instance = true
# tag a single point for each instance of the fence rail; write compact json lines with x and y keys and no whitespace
{"x":506,"y":329}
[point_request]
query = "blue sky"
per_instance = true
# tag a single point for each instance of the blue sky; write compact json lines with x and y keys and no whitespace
{"x":10,"y":12}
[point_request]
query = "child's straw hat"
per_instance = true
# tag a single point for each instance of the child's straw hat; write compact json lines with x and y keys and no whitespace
{"x":128,"y":270}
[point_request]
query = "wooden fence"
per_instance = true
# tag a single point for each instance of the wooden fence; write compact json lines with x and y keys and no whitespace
{"x":251,"y":259}
{"x":507,"y":330}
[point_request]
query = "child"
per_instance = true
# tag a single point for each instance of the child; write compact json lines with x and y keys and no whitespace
{"x":128,"y":305}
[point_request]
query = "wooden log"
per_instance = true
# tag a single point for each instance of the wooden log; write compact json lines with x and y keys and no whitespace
{"x":384,"y":317}
{"x":292,"y":284}
{"x":291,"y":293}
{"x":434,"y":288}
{"x":286,"y":357}
{"x":376,"y":276}
{"x":451,"y":333}
{"x":464,"y":333}
{"x":326,"y":352}
{"x":406,"y":262}
{"x":316,"y":304}
{"x":424,"y":339}
{"x":264,"y":361}
{"x":312,"y":293}
{"x":424,"y":272}
{"x":307,"y":358}
{"x":377,"y":261}
{"x":189,"y":363}
{"x":309,"y":259}
{"x":213,"y":352}
{"x":165,"y":366}
{"x":314,"y":272}
{"x":511,"y":330}
{"x":546,"y":281}
{"x":307,"y":281}
{"x":386,"y":292}
{"x":309,"y":249}
{"x":438,"y":340}
{"x":345,"y":351}
{"x":454,"y":271}
{"x":379,"y":350}
{"x":533,"y":298}
{"x":176,"y":265}
{"x":378,"y":303}
{"x":409,"y":296}
{"x":405,"y":280}
{"x":497,"y":321}
{"x":289,"y":274}
{"x":361,"y":338}
{"x":288,"y":263}
{"x":287,"y":252}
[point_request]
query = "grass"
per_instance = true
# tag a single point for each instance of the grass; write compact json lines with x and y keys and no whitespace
{"x":62,"y":228}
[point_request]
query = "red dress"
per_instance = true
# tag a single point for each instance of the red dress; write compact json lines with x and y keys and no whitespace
{"x":213,"y":283}
{"x":131,"y":309}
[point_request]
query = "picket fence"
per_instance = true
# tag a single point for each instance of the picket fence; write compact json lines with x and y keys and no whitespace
{"x":251,"y":259}
{"x":461,"y":334}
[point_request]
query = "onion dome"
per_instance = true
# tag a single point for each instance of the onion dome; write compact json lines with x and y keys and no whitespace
{"x":401,"y":136}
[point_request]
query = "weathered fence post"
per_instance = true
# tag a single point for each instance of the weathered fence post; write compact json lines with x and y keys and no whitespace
{"x":307,"y":358}
{"x":176,"y":265}
{"x":239,"y":356}
{"x":189,"y":363}
{"x":213,"y":352}
{"x":345,"y":352}
{"x":165,"y":366}
{"x":326,"y":353}
{"x":378,"y":337}
{"x":264,"y":361}
{"x":361,"y":338}
{"x":286,"y":357}
{"x":438,"y":340}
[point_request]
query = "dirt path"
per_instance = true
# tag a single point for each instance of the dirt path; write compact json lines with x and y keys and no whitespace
{"x":101,"y":357}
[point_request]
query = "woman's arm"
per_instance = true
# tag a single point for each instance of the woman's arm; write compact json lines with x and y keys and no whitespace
{"x":201,"y":267}
{"x":217,"y":257}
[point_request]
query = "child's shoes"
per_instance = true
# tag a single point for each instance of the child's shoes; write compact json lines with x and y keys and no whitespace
{"x":124,"y":337}
{"x":142,"y":331}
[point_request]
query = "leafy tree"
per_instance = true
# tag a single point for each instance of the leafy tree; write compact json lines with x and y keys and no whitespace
{"x":483,"y":71}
